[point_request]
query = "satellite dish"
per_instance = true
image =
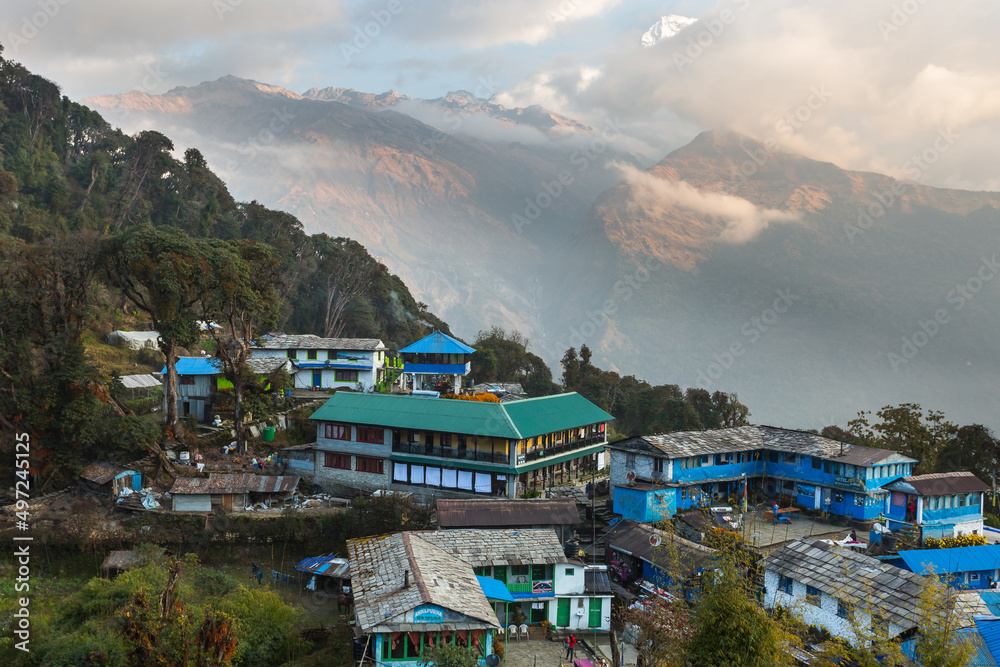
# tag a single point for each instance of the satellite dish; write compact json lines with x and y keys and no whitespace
{"x":630,"y":476}
{"x":655,"y":540}
{"x":492,"y":660}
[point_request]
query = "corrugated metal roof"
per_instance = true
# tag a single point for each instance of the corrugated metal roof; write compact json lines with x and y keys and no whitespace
{"x":102,"y":472}
{"x":518,"y":420}
{"x":494,"y":589}
{"x":634,"y":538}
{"x":197,"y":366}
{"x":140,"y":381}
{"x":948,"y":561}
{"x":311,"y":342}
{"x":328,"y":566}
{"x":989,"y":630}
{"x":940,"y":484}
{"x":596,"y":582}
{"x":438,"y":343}
{"x":235,"y":483}
{"x":489,"y":513}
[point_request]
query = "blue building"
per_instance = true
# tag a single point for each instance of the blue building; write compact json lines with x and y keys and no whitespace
{"x":435,"y":358}
{"x":200,"y":378}
{"x":948,"y":504}
{"x":655,"y":476}
{"x":962,"y":567}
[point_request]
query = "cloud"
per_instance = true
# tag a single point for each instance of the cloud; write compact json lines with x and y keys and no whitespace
{"x":890,"y":80}
{"x":482,"y":23}
{"x":743,"y":220}
{"x":104,"y":46}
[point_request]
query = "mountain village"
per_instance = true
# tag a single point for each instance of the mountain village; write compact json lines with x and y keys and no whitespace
{"x":547,"y":532}
{"x":455,"y":379}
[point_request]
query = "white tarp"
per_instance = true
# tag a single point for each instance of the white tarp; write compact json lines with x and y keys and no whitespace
{"x":134,"y":340}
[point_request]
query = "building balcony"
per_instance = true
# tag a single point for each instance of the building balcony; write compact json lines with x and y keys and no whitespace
{"x":437,"y":369}
{"x":539,"y":588}
{"x":451,"y":453}
{"x":538,"y":453}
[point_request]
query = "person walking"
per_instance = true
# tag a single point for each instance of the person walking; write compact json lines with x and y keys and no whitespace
{"x":571,"y":651}
{"x":774,"y":512}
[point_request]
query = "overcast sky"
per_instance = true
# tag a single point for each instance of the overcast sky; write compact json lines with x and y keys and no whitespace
{"x":863,"y":84}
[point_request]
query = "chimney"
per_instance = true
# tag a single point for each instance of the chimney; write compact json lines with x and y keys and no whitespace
{"x":406,"y":578}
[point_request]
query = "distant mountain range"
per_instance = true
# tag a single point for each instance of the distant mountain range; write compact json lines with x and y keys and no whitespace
{"x":729,"y":264}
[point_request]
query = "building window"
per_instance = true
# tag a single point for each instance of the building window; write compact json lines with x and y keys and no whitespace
{"x":790,"y":458}
{"x":658,"y":465}
{"x":342,"y":461}
{"x":345,"y":376}
{"x":311,"y":355}
{"x":844,"y":609}
{"x":785,"y":584}
{"x":337,"y":432}
{"x":446,"y":439}
{"x":375,"y":436}
{"x":961,"y":500}
{"x":570,"y":571}
{"x":814,"y":596}
{"x":185,"y":379}
{"x":828,"y":467}
{"x":630,"y":460}
{"x":368,"y":464}
{"x":817,"y":462}
{"x":292,"y":354}
{"x":723,"y":459}
{"x":859,"y":500}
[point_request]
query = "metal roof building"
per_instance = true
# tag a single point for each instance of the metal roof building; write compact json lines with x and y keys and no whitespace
{"x":948,"y":561}
{"x":438,"y":343}
{"x":514,"y":421}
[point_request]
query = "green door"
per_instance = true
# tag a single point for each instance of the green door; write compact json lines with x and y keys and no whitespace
{"x":562,"y":613}
{"x":317,"y":378}
{"x":595,"y":612}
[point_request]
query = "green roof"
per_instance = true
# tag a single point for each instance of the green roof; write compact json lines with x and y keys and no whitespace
{"x":515,"y":420}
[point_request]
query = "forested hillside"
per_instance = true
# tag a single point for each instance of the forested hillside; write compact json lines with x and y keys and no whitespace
{"x":87,"y":211}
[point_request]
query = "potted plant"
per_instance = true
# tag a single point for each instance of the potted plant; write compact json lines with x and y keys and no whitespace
{"x":548,"y":629}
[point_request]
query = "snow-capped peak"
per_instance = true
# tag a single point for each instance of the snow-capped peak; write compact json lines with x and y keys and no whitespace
{"x":665,"y":28}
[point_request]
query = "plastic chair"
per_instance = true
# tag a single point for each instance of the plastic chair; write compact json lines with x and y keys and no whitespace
{"x":524,"y":631}
{"x":511,"y":632}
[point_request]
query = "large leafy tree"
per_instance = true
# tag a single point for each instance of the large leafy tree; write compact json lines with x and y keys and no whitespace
{"x":165,"y":274}
{"x":905,"y":428}
{"x":242,"y":300}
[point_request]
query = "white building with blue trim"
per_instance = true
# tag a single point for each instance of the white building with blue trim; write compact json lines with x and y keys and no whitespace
{"x":327,"y":363}
{"x":947,"y":504}
{"x":655,"y":476}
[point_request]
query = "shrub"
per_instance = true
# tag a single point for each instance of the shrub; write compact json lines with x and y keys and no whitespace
{"x":950,"y":542}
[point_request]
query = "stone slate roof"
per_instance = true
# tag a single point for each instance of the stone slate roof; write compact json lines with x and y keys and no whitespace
{"x":266,"y":365}
{"x":479,"y":547}
{"x":683,"y":444}
{"x":311,"y":342}
{"x":234,"y":483}
{"x":488,"y":513}
{"x":855,"y":578}
{"x":381,"y":598}
{"x":940,"y":484}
